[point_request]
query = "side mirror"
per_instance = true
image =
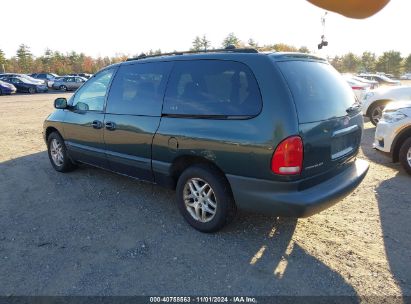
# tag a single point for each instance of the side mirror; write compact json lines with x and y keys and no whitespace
{"x":60,"y":103}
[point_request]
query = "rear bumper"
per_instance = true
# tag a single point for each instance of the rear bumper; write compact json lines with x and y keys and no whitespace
{"x":278,"y":198}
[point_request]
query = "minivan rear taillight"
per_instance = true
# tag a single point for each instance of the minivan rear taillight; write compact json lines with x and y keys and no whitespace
{"x":288,"y":156}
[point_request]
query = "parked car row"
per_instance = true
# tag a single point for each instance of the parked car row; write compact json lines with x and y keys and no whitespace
{"x":381,"y":79}
{"x":40,"y":82}
{"x":23,"y":84}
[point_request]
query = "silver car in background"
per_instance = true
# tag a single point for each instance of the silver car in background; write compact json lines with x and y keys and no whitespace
{"x":68,"y":83}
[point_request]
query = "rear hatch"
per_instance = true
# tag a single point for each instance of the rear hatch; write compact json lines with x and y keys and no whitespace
{"x":330,"y":122}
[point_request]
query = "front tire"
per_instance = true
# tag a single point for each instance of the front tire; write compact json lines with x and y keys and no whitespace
{"x":32,"y":90}
{"x":376,"y":113}
{"x":405,"y":155}
{"x":63,"y":88}
{"x":57,"y":152}
{"x":204,"y":198}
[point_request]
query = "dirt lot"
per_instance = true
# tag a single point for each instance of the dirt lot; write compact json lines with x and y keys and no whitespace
{"x":91,"y":232}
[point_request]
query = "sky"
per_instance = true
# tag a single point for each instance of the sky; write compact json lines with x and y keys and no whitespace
{"x":111,"y":27}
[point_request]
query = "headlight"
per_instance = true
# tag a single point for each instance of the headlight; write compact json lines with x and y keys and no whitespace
{"x":392,"y":117}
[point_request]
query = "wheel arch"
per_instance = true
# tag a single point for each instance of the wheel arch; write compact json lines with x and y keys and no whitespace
{"x":398,"y":141}
{"x":376,"y":102}
{"x":51,"y":129}
{"x":182,"y":162}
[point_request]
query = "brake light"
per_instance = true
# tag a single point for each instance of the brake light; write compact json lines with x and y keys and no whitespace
{"x":358,"y":88}
{"x":288,"y":156}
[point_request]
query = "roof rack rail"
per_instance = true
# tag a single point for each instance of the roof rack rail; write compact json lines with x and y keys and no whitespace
{"x":228,"y":49}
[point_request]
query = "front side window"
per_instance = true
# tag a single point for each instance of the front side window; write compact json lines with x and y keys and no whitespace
{"x":91,"y":96}
{"x":212,"y":88}
{"x":138,"y":89}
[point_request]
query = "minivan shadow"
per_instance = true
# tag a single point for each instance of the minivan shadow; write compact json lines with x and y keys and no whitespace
{"x":92,"y":232}
{"x":394,"y":202}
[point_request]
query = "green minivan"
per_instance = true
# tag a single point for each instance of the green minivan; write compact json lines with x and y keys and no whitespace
{"x":276,"y":133}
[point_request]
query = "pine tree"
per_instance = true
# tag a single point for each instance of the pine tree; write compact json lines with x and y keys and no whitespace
{"x":252,"y":43}
{"x":231,"y":39}
{"x":197,"y":44}
{"x":205,"y":43}
{"x":24,"y":58}
{"x":2,"y":61}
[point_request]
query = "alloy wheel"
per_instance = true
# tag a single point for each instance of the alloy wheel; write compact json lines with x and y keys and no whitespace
{"x":377,"y":113}
{"x":200,"y":200}
{"x":56,"y":152}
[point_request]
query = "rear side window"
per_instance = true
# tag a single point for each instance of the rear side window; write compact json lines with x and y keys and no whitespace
{"x":212,"y":88}
{"x":319,"y":91}
{"x":138,"y":89}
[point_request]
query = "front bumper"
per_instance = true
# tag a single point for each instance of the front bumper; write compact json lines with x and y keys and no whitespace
{"x":284,"y":199}
{"x":8,"y":91}
{"x":384,"y":135}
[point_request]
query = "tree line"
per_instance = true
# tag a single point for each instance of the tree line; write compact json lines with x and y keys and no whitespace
{"x":51,"y":61}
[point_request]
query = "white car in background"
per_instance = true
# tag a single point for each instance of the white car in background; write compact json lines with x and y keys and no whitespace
{"x":359,"y":88}
{"x":393,"y":133}
{"x":375,"y":101}
{"x":406,"y":76}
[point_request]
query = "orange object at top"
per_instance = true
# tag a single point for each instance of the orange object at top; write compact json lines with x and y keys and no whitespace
{"x":352,"y":8}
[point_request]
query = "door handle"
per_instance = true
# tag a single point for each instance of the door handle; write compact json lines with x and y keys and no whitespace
{"x":110,"y":125}
{"x":96,"y":124}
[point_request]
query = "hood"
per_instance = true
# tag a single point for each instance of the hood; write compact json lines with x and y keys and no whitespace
{"x":392,"y":90}
{"x":394,"y":106}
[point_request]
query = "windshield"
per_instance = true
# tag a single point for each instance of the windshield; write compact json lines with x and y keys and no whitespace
{"x":319,"y":91}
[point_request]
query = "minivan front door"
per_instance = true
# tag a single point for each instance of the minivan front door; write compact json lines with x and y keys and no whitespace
{"x":83,"y":127}
{"x":133,"y":114}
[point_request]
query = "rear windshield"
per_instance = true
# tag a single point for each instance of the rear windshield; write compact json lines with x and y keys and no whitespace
{"x":319,"y":91}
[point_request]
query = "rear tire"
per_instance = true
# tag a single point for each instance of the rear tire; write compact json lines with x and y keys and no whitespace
{"x":206,"y":210}
{"x":405,"y":155}
{"x":32,"y":90}
{"x":57,"y":152}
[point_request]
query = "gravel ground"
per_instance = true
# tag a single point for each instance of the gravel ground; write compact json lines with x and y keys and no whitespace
{"x":92,"y":232}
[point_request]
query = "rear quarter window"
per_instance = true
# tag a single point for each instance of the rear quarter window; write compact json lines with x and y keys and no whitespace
{"x":212,"y":88}
{"x":319,"y":91}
